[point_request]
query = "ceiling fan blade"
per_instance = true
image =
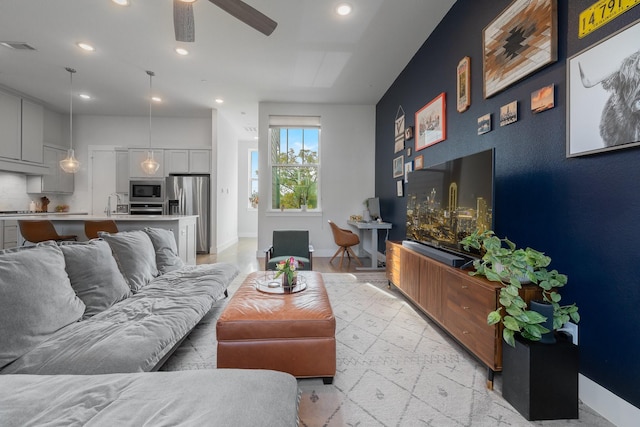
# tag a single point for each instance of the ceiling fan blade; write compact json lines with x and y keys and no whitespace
{"x":183,"y":23}
{"x":248,"y":15}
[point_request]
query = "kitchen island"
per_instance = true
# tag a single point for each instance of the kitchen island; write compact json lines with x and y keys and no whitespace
{"x":182,"y":226}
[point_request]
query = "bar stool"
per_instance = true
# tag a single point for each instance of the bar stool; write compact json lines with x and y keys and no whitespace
{"x":36,"y":231}
{"x":91,"y":228}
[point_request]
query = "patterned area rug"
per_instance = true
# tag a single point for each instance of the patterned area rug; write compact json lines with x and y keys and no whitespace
{"x":394,"y":366}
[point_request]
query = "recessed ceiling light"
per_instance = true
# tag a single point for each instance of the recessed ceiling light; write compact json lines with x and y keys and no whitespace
{"x":188,"y":1}
{"x":156,"y":99}
{"x":219,"y":100}
{"x":85,"y":96}
{"x":344,"y":9}
{"x":122,"y":2}
{"x":182,"y":51}
{"x":85,"y":46}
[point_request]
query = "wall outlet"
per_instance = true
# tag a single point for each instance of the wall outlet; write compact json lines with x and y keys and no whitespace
{"x":572,"y":329}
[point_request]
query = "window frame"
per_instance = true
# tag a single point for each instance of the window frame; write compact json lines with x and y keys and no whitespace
{"x":271,"y":165}
{"x":251,"y":179}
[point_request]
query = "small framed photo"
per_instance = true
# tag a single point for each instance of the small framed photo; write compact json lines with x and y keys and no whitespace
{"x":509,"y":113}
{"x":418,"y":163}
{"x":408,"y":133}
{"x":463,"y":75}
{"x":398,"y":166}
{"x":484,"y":124}
{"x":543,"y":99}
{"x":408,"y":151}
{"x":399,"y":188}
{"x":431,"y":123}
{"x":408,"y":167}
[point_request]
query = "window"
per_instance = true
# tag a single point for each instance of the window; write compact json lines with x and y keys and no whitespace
{"x":253,"y":179}
{"x":295,"y":162}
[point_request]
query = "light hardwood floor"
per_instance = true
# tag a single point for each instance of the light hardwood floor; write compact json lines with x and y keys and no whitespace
{"x":243,"y":254}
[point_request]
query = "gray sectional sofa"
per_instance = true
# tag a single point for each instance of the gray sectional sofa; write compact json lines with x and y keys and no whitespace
{"x":117,"y":306}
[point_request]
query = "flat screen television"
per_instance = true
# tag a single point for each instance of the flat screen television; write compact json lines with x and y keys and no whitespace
{"x":446,"y":202}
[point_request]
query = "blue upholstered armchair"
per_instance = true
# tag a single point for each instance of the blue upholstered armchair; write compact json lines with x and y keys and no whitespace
{"x":287,"y":243}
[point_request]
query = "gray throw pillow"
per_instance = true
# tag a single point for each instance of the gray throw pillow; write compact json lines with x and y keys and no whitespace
{"x":36,"y":298}
{"x":135,"y":256}
{"x":94,"y":275}
{"x":164,"y":242}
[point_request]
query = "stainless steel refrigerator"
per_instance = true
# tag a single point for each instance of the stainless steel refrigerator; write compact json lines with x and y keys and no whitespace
{"x":190,"y":195}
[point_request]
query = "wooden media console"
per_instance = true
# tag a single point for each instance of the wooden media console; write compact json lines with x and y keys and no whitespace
{"x":457,"y":302}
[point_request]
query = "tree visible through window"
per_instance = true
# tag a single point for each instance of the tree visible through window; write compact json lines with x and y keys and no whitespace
{"x":253,"y":178}
{"x":295,"y":166}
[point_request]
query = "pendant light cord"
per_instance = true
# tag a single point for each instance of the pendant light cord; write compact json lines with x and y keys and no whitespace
{"x":151,"y":74}
{"x":71,"y":71}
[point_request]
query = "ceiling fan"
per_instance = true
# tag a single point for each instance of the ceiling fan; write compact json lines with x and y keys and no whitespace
{"x":185,"y":28}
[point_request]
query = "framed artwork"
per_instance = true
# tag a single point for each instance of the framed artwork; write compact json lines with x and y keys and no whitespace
{"x":431,"y":123}
{"x":509,"y":113}
{"x":484,"y":124}
{"x":400,"y":126}
{"x":408,"y":133}
{"x":398,"y":166}
{"x":463,"y":93}
{"x":418,"y":162}
{"x":399,"y":145}
{"x":408,"y":167}
{"x":518,"y":42}
{"x":543,"y":99}
{"x":399,"y":189}
{"x":602,"y":95}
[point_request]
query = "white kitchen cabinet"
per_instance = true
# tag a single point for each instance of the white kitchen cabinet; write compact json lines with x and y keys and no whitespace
{"x":137,"y":156}
{"x":176,"y":161}
{"x":9,"y":234}
{"x":10,"y":124}
{"x":187,"y":242}
{"x":187,"y":161}
{"x":122,"y":171}
{"x":199,"y":161}
{"x":57,"y":181}
{"x":32,"y":132}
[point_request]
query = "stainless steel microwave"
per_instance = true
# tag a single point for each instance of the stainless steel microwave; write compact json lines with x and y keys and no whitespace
{"x":146,"y":191}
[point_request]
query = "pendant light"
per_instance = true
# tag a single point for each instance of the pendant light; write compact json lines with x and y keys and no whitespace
{"x":70,"y":164}
{"x":150,"y":166}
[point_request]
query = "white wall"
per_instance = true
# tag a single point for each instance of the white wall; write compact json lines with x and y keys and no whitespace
{"x":227,"y":184}
{"x":125,"y":131}
{"x":247,"y":217}
{"x":347,"y":175}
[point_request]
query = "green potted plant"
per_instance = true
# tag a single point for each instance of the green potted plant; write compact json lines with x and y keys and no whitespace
{"x":503,"y":262}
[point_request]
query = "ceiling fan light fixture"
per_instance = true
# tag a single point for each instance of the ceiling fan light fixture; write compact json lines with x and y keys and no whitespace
{"x":70,"y":164}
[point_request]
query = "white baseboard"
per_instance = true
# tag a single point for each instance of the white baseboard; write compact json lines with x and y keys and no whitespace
{"x":613,"y":408}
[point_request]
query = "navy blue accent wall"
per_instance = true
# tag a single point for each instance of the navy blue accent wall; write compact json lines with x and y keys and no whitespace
{"x":583,"y":212}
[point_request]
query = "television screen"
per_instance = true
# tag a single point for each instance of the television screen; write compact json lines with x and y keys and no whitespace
{"x":448,"y":201}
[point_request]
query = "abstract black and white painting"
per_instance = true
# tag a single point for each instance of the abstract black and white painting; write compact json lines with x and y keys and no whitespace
{"x":603,"y":111}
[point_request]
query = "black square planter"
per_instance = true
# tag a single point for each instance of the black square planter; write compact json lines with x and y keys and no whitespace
{"x":541,"y":380}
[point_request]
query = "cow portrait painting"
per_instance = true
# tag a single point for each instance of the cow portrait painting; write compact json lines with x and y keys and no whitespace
{"x":603,"y":111}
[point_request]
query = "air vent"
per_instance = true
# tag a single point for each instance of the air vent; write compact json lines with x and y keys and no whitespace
{"x":250,"y":129}
{"x":17,"y":45}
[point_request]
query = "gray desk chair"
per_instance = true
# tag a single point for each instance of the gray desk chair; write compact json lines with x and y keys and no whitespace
{"x":289,"y":243}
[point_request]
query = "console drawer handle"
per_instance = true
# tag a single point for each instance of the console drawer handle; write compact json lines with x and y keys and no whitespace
{"x":465,"y":287}
{"x":464,"y":307}
{"x":465,"y":332}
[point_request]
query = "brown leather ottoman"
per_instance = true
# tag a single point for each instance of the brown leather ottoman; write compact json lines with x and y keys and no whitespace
{"x":292,"y":333}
